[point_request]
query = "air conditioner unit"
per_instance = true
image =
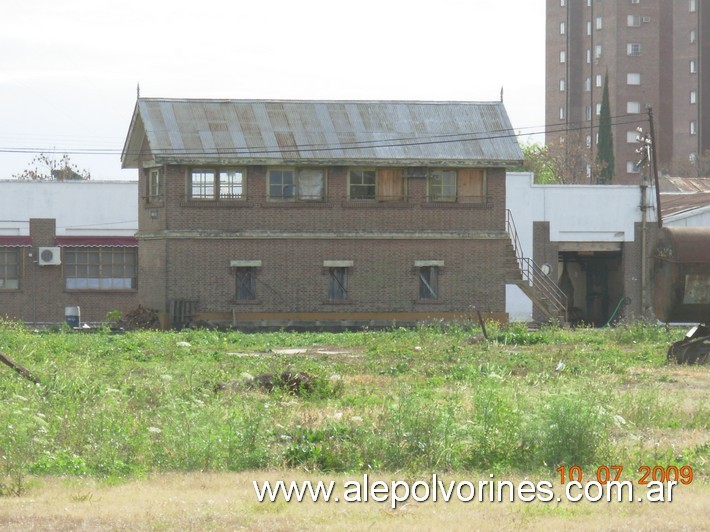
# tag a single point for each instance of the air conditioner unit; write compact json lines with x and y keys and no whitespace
{"x":50,"y":256}
{"x":646,"y":19}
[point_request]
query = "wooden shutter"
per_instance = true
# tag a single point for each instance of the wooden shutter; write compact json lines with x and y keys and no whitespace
{"x":472,"y":185}
{"x":390,"y":184}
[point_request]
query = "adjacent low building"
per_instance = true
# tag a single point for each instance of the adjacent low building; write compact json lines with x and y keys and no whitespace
{"x":67,"y":244}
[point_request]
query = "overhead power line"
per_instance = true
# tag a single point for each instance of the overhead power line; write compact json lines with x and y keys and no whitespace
{"x":394,"y":142}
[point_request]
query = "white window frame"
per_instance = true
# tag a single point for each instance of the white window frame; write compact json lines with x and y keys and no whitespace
{"x":633,"y":78}
{"x":216,"y":184}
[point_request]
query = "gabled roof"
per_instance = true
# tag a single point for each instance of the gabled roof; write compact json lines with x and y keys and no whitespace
{"x":168,"y":131}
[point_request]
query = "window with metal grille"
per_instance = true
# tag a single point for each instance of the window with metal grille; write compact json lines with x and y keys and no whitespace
{"x":429,"y":282}
{"x":246,"y":284}
{"x":211,"y":184}
{"x":338,"y":284}
{"x":108,"y":268}
{"x":9,"y":268}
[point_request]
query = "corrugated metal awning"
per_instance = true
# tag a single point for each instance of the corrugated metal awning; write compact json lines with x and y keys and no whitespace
{"x":15,"y":241}
{"x":97,"y":241}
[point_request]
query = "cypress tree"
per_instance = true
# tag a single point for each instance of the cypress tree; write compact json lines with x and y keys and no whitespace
{"x":605,"y":146}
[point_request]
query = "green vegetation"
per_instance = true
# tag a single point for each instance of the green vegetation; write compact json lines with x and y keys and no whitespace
{"x":416,"y":400}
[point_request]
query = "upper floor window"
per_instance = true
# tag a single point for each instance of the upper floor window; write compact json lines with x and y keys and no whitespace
{"x":465,"y":185}
{"x":692,"y":6}
{"x":562,"y":85}
{"x":100,"y":268}
{"x":563,"y":56}
{"x":598,"y":23}
{"x":211,"y":184}
{"x":693,"y":36}
{"x":633,"y":108}
{"x":693,"y":67}
{"x":9,"y":268}
{"x":693,"y":97}
{"x":633,"y":21}
{"x":303,"y":184}
{"x":562,"y":28}
{"x":633,"y":49}
{"x":363,"y":183}
{"x":442,"y":185}
{"x":633,"y":78}
{"x":155,"y":185}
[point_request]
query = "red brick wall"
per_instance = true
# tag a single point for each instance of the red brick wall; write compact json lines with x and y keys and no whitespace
{"x":42,"y":297}
{"x":187,"y":246}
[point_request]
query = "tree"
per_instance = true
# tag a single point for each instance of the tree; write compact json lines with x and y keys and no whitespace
{"x":44,"y":167}
{"x":605,"y":145}
{"x":566,"y":162}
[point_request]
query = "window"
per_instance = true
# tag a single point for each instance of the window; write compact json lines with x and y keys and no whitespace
{"x":562,"y":85}
{"x":589,"y":27}
{"x":693,"y":36}
{"x":282,"y":184}
{"x":633,"y":78}
{"x":597,"y":51}
{"x":428,"y":282}
{"x":246,"y":283}
{"x":692,"y":6}
{"x":633,"y":49}
{"x":693,"y":67}
{"x":155,"y":185}
{"x":693,"y":127}
{"x":362,"y":184}
{"x":632,"y":168}
{"x":631,"y":137}
{"x":338,"y":283}
{"x":693,"y":97}
{"x":563,"y":56}
{"x":231,"y":184}
{"x":562,"y":113}
{"x":633,"y":108}
{"x":304,"y":184}
{"x":633,"y":21}
{"x":442,"y":185}
{"x":107,"y":268}
{"x":588,"y":84}
{"x":598,"y":81}
{"x":210,"y":184}
{"x":9,"y":268}
{"x":599,"y":23}
{"x":562,"y":28}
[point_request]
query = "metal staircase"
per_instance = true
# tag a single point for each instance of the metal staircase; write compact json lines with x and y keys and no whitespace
{"x":523,"y":272}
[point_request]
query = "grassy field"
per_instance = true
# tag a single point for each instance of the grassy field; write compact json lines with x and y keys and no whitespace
{"x":115,"y":409}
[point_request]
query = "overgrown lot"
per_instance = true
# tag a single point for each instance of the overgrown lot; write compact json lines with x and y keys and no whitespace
{"x":404,"y":400}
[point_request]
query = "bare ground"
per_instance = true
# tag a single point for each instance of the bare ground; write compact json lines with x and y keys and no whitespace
{"x":201,"y":501}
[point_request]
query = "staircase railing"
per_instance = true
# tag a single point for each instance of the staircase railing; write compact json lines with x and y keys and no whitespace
{"x":533,"y":274}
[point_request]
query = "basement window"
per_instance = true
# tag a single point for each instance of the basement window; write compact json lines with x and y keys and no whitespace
{"x":246,"y":283}
{"x":338,"y":274}
{"x":428,"y":271}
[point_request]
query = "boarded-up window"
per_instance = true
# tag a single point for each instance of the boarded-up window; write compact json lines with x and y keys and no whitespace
{"x":472,"y":185}
{"x":338,"y":284}
{"x":310,"y":184}
{"x":246,"y":284}
{"x":390,"y":184}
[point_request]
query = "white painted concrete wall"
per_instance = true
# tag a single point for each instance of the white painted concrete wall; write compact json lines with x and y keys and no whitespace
{"x":91,"y":208}
{"x":576,"y":213}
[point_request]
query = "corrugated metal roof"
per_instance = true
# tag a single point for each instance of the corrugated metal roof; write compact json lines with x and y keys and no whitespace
{"x":685,"y":184}
{"x":676,"y":204}
{"x":322,"y":132}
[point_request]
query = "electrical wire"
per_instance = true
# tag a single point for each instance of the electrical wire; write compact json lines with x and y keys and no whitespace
{"x":394,"y":142}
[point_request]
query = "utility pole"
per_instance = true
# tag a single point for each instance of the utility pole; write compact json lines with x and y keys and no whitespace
{"x":654,"y":164}
{"x":645,"y":152}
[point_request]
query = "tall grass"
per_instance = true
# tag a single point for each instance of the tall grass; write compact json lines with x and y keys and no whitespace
{"x":429,"y":399}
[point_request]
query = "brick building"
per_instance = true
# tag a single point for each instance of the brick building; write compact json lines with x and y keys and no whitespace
{"x":655,"y":52}
{"x":67,"y":244}
{"x":321,"y":212}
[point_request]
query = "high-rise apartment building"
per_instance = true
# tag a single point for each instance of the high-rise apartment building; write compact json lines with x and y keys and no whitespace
{"x":656,"y":53}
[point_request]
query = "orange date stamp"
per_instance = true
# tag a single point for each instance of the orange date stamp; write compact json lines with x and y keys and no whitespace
{"x":646,"y":474}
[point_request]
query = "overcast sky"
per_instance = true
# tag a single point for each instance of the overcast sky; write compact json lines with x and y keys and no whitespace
{"x":69,"y":68}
